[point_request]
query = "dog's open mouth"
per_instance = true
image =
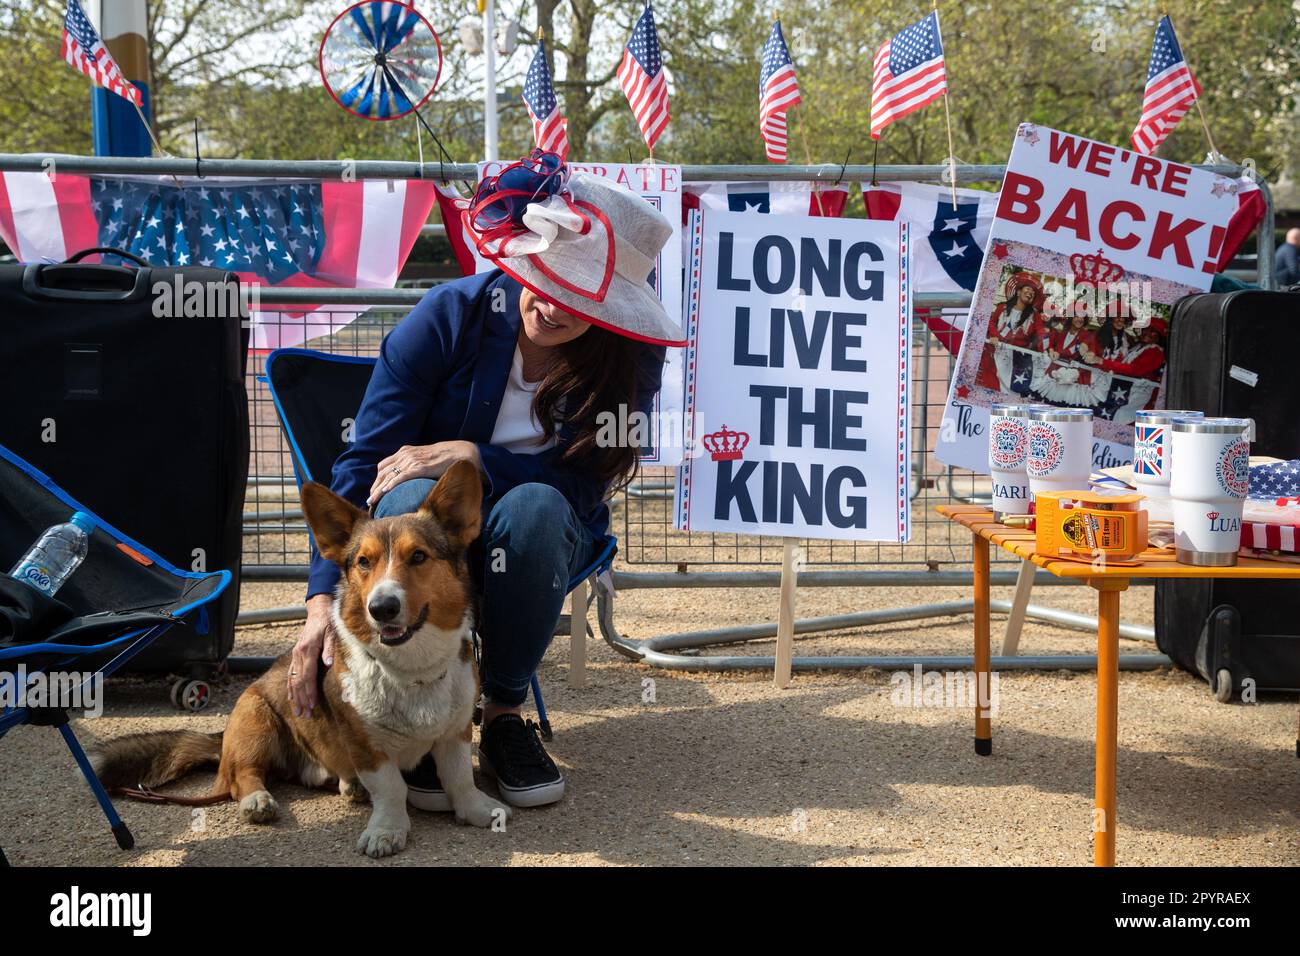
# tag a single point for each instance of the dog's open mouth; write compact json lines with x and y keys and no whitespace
{"x":391,"y":635}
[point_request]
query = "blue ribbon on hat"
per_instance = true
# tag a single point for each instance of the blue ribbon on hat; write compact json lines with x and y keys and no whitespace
{"x":499,"y":202}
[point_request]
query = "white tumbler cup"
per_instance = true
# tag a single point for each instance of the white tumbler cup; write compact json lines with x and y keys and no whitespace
{"x":1153,"y":450}
{"x":1208,"y":488}
{"x":1008,"y":446}
{"x":1059,"y":456}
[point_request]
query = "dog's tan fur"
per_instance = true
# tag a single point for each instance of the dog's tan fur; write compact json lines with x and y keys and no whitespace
{"x":383,"y":705}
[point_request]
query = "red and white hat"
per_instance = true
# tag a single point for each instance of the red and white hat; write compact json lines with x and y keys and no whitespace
{"x":579,"y":241}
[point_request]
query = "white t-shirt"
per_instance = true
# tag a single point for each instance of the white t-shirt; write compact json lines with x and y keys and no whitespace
{"x":517,"y":429}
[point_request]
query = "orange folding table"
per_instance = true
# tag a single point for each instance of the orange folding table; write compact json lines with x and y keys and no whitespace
{"x":1108,"y":581}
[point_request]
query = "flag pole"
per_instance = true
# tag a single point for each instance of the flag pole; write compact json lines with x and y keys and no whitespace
{"x":149,"y":129}
{"x":661,"y":67}
{"x":1206,"y":126}
{"x":807,"y":156}
{"x":1199,"y":112}
{"x":947,"y":120}
{"x":154,"y":139}
{"x":807,"y":153}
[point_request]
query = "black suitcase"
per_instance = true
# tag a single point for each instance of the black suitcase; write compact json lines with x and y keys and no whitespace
{"x":141,"y":414}
{"x":1229,"y":354}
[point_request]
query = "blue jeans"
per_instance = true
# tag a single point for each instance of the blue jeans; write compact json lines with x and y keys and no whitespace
{"x":531,"y":546}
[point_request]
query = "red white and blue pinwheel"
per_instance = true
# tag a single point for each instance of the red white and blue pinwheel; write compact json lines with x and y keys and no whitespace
{"x":380,"y":60}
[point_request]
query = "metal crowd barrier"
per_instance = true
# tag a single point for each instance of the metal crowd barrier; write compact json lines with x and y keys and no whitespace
{"x":275,"y":541}
{"x":938,"y":555}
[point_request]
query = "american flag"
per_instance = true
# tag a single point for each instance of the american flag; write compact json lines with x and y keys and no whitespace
{"x":549,"y":127}
{"x":1171,"y":90}
{"x":1276,"y":480}
{"x":778,"y":90}
{"x":303,"y":233}
{"x":83,"y":49}
{"x":908,"y":73}
{"x":641,"y":75}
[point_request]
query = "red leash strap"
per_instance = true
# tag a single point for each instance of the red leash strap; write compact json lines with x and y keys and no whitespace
{"x":145,"y":795}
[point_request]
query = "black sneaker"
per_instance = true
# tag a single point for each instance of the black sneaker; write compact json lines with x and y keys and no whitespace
{"x":510,"y":751}
{"x":424,"y":789}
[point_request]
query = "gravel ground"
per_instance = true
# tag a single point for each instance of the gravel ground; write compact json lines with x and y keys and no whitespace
{"x":727,"y":769}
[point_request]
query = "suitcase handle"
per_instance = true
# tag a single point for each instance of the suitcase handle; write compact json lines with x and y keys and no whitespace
{"x":133,"y":284}
{"x":107,"y":250}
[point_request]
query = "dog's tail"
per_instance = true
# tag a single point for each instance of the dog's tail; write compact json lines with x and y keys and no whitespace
{"x":153,"y":759}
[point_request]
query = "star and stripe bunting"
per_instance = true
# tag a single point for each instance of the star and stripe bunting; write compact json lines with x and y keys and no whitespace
{"x":300,"y":233}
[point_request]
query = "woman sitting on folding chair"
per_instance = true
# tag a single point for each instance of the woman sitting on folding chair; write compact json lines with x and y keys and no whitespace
{"x":515,"y":369}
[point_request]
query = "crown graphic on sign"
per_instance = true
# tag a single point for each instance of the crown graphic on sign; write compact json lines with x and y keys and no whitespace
{"x":1094,"y":269}
{"x":1212,"y":515}
{"x":726,"y":445}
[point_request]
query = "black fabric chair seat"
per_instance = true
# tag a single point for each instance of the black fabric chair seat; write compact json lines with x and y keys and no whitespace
{"x":120,"y":599}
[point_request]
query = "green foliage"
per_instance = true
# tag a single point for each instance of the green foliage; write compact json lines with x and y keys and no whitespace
{"x":1079,"y":66}
{"x":43,"y":92}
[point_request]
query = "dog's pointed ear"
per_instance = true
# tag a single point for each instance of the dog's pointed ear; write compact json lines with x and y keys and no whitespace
{"x":457,"y":502}
{"x":331,"y":519}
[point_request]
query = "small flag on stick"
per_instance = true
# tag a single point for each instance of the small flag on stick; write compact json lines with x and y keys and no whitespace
{"x":550,"y":129}
{"x":778,"y":90}
{"x":641,"y":75}
{"x":1171,"y":90}
{"x":908,"y":73}
{"x":85,"y":51}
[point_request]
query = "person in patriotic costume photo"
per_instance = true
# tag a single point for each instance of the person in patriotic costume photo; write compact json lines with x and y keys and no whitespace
{"x":1075,"y":341}
{"x":1145,"y":358}
{"x":1112,"y":341}
{"x":1016,"y":321}
{"x":513,"y":370}
{"x":1018,"y":318}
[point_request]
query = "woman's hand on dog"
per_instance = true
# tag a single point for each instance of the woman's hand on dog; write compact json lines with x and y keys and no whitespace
{"x":419,"y":461}
{"x":314,"y":648}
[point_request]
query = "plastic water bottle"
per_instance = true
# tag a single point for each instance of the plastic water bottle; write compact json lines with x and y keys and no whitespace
{"x":56,"y":554}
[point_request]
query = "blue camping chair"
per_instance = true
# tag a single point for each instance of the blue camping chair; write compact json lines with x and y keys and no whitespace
{"x":120,"y":600}
{"x":314,"y":394}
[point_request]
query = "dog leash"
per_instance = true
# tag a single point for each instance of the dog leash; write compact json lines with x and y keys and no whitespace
{"x":145,"y":795}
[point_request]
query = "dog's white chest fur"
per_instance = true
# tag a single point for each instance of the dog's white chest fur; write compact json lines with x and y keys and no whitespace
{"x":405,"y":711}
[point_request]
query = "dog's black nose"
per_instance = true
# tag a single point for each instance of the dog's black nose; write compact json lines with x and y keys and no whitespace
{"x":384,"y":609}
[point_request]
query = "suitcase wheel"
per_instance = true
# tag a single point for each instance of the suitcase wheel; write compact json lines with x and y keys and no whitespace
{"x":1223,"y":686}
{"x":191,"y":695}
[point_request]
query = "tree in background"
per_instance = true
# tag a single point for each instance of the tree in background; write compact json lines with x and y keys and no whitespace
{"x":246,"y":69}
{"x":1075,"y":66}
{"x":46,"y":106}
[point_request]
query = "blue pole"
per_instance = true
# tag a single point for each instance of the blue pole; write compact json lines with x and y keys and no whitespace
{"x":115,"y":125}
{"x":116,"y":128}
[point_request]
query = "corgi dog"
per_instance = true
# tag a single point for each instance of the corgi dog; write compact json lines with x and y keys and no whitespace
{"x":403,"y":684}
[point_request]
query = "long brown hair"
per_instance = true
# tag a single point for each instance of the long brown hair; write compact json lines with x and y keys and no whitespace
{"x":597,"y":372}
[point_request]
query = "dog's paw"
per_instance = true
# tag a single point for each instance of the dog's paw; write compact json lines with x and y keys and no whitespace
{"x":354,"y":791}
{"x":258,"y":807}
{"x":377,"y":842}
{"x":482,"y":811}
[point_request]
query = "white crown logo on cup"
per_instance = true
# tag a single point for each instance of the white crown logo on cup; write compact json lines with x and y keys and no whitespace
{"x":1008,"y":449}
{"x":1059,"y":456}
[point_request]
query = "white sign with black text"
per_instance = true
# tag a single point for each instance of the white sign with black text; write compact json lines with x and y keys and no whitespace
{"x":797,"y":376}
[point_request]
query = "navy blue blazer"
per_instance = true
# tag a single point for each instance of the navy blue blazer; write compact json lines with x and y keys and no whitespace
{"x":440,"y":376}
